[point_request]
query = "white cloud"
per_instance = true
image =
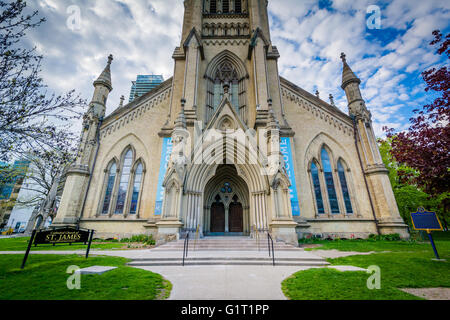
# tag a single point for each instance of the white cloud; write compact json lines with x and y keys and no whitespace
{"x":142,"y":34}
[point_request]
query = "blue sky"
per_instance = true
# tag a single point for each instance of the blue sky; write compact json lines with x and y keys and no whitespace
{"x":310,"y":35}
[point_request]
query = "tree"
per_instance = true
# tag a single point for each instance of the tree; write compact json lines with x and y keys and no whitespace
{"x":407,"y":195}
{"x":30,"y":118}
{"x":425,"y":146}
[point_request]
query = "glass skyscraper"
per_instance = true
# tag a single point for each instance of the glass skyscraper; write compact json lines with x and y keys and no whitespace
{"x":143,"y":84}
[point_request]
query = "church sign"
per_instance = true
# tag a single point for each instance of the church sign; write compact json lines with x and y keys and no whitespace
{"x":424,"y":220}
{"x":285,"y":148}
{"x":165,"y":157}
{"x":67,"y":235}
{"x":61,"y":235}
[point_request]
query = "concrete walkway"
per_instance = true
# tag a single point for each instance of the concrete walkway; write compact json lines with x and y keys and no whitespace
{"x":229,"y":282}
{"x":226,"y":282}
{"x":216,"y":282}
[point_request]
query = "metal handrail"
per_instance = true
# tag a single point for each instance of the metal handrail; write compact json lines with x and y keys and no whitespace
{"x":269,"y":241}
{"x":186,"y":246}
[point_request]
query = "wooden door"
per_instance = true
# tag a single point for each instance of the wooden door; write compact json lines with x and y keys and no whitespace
{"x":235,"y":218}
{"x":217,"y":217}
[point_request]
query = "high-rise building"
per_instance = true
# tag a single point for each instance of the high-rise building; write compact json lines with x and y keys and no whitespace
{"x":11,"y":179}
{"x":143,"y":84}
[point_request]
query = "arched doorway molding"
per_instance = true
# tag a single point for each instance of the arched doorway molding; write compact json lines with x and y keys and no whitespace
{"x":227,"y":174}
{"x":200,"y":172}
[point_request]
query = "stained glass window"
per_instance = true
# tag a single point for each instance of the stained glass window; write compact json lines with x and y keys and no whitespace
{"x":237,"y":6}
{"x":344,"y":186}
{"x":218,"y":93}
{"x":235,"y":96}
{"x":225,"y":6}
{"x":124,"y":180}
{"x":109,"y":188}
{"x":213,"y":6}
{"x":317,"y":191}
{"x":136,"y":188}
{"x":328,"y":173}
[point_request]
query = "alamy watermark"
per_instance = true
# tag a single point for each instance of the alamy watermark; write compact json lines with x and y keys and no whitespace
{"x":74,"y":281}
{"x":373,"y":22}
{"x":74,"y":22}
{"x":374,"y":281}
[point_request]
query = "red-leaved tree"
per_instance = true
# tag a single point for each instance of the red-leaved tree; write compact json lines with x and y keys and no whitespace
{"x":425,"y":146}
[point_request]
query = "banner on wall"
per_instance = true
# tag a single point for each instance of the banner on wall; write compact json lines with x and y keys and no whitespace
{"x":165,"y":157}
{"x":285,"y":148}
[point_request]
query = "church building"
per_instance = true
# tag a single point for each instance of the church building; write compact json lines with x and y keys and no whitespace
{"x":226,"y":146}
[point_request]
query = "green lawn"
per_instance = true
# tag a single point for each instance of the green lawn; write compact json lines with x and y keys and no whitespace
{"x":20,"y":244}
{"x":407,"y":265}
{"x":45,"y":278}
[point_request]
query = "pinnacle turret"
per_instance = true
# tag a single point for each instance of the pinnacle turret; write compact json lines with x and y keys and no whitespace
{"x":105,"y":76}
{"x":347,"y":74}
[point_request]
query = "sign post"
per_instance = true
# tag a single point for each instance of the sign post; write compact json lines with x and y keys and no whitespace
{"x":63,"y":235}
{"x":428,"y":221}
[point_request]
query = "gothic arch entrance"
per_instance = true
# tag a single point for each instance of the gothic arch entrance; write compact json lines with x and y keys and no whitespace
{"x":226,"y":204}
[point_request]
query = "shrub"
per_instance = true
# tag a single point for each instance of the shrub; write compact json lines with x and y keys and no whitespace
{"x":387,"y":237}
{"x":141,"y":238}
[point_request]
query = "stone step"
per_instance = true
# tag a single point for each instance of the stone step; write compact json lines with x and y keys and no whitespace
{"x":226,"y":249}
{"x":241,"y":262}
{"x":262,"y":248}
{"x":160,"y":259}
{"x":227,"y":242}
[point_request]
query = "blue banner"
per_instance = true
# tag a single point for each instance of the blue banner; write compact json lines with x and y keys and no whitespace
{"x":165,"y":157}
{"x":285,"y":148}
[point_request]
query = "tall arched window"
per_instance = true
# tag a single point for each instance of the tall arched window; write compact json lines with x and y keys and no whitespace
{"x":124,"y":180}
{"x":109,"y":188}
{"x":226,"y":70}
{"x":237,"y":6}
{"x":317,"y":190}
{"x":328,"y":174}
{"x":136,"y":188}
{"x":225,"y":6}
{"x":226,"y":74}
{"x":344,"y":186}
{"x":213,"y":6}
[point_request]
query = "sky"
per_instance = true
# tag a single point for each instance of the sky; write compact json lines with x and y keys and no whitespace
{"x":388,"y":54}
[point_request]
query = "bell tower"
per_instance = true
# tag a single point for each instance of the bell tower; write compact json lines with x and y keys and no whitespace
{"x":226,"y":76}
{"x":382,"y":198}
{"x":226,"y":43}
{"x":78,"y":175}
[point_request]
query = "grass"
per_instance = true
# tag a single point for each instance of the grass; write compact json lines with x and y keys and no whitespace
{"x":442,"y":241}
{"x":45,"y":278}
{"x":408,"y":265}
{"x":20,"y":244}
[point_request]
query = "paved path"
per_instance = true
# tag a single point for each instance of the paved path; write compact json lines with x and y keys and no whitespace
{"x":214,"y":282}
{"x":217,"y":282}
{"x":226,"y":282}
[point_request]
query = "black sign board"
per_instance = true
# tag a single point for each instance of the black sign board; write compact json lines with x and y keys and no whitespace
{"x":66,"y":235}
{"x":61,"y":235}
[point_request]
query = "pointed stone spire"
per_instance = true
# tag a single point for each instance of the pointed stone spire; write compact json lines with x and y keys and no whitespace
{"x":332,"y":100}
{"x":105,"y":76}
{"x":180,"y":122}
{"x":122,"y":98}
{"x":318,"y":94}
{"x":347,"y":74}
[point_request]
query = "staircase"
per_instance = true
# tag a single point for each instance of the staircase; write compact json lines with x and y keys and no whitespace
{"x":242,"y":251}
{"x":226,"y":244}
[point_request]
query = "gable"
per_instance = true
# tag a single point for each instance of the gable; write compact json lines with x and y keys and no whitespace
{"x":225,"y":118}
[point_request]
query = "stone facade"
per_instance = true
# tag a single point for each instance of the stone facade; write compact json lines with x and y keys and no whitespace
{"x":226,"y":109}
